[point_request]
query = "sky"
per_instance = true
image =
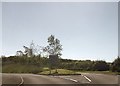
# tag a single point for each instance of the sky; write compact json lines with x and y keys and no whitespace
{"x":86,"y":30}
{"x":118,"y":29}
{"x":0,"y":28}
{"x":60,"y":0}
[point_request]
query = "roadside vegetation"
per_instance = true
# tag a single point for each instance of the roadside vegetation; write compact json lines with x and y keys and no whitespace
{"x":40,"y":65}
{"x":59,"y":72}
{"x":47,"y":60}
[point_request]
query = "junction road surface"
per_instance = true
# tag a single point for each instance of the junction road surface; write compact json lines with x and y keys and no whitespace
{"x":33,"y":79}
{"x":102,"y":78}
{"x":85,"y":78}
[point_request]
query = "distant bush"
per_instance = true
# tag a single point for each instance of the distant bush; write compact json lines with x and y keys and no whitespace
{"x":100,"y":66}
{"x":37,"y":61}
{"x":116,"y":65}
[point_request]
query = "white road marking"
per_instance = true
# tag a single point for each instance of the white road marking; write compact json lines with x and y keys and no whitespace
{"x":71,"y":79}
{"x":21,"y":81}
{"x":86,"y":78}
{"x":66,"y":77}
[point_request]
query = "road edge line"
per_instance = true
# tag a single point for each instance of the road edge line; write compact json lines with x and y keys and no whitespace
{"x":22,"y":81}
{"x":87,"y":78}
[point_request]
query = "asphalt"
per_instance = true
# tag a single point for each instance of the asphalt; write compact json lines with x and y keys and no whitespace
{"x":42,"y":79}
{"x":85,"y":78}
{"x":11,"y":79}
{"x":102,"y":78}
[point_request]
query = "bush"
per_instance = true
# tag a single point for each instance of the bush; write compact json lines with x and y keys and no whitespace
{"x":116,"y":65}
{"x":100,"y":66}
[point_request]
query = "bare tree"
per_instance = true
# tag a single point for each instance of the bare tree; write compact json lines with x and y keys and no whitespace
{"x":19,"y":53}
{"x":28,"y":51}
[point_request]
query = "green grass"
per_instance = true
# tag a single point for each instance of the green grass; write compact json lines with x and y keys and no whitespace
{"x":45,"y":69}
{"x":59,"y":72}
{"x":99,"y":72}
{"x":69,"y":72}
{"x":18,"y":68}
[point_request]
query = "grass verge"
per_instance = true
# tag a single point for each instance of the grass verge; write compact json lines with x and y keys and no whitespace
{"x":59,"y":72}
{"x":18,"y":68}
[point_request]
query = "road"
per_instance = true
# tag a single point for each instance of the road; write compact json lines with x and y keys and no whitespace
{"x":85,"y":78}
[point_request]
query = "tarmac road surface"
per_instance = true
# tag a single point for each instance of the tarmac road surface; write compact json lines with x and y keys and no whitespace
{"x":85,"y":78}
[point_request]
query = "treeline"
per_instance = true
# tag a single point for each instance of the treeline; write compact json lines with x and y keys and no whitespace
{"x":38,"y":63}
{"x":23,"y":60}
{"x":86,"y":65}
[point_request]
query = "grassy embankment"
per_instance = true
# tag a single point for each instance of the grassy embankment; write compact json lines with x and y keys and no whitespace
{"x":71,"y":72}
{"x":18,"y":68}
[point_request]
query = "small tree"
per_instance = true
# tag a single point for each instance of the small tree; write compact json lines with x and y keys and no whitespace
{"x":54,"y":49}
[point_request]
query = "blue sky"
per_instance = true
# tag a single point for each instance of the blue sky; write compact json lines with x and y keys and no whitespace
{"x":87,"y":30}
